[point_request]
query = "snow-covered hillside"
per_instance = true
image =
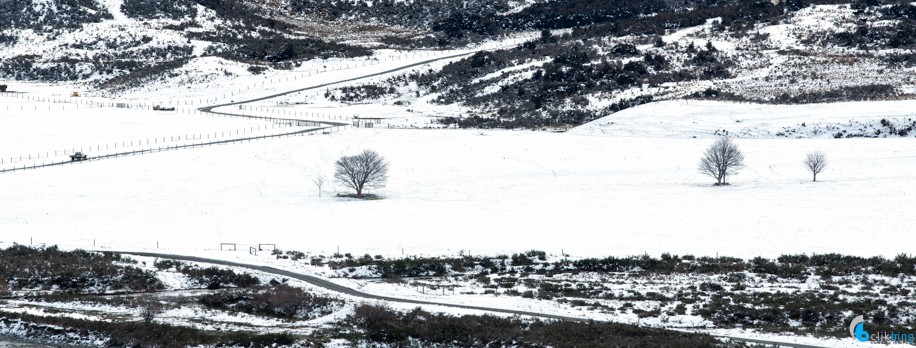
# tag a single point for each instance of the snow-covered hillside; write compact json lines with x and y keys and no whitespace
{"x":711,"y":119}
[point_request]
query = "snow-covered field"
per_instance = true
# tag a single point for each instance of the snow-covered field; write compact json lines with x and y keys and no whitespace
{"x":36,"y":131}
{"x":481,"y":192}
{"x":711,"y":119}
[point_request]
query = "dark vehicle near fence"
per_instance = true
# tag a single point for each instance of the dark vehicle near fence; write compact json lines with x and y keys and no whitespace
{"x":79,"y":156}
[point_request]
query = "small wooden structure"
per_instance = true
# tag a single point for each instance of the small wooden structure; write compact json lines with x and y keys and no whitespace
{"x":366,"y":122}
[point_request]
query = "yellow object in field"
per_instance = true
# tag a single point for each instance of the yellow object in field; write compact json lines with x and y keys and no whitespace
{"x":75,"y":94}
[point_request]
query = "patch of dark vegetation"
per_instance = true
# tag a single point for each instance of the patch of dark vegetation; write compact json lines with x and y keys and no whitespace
{"x":845,"y":93}
{"x":244,"y":16}
{"x":383,"y":325}
{"x":408,"y":43}
{"x":138,"y":76}
{"x":27,"y":67}
{"x":126,"y":63}
{"x":906,"y":59}
{"x":552,"y":91}
{"x":786,"y":266}
{"x":352,"y":94}
{"x":255,"y":35}
{"x":157,"y":9}
{"x":6,"y":39}
{"x":210,"y":277}
{"x":140,"y":334}
{"x":256,"y":69}
{"x":896,"y":31}
{"x":416,"y":14}
{"x":274,"y":47}
{"x":50,"y":16}
{"x":75,"y":272}
{"x":277,"y":301}
{"x":461,"y":22}
{"x":413,"y":267}
{"x":827,"y":314}
{"x":422,"y":266}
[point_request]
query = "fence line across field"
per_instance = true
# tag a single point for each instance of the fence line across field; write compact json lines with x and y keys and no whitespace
{"x":149,"y":106}
{"x":179,"y":139}
{"x":196,"y":139}
{"x":183,"y":140}
{"x":306,"y":132}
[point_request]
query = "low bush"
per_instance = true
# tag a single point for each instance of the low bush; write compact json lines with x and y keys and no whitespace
{"x":380,"y":324}
{"x":280,"y":301}
{"x":49,"y":268}
{"x":211,"y":277}
{"x":139,"y":334}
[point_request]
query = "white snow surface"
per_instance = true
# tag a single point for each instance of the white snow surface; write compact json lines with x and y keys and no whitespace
{"x":484,"y":192}
{"x":702,"y":119}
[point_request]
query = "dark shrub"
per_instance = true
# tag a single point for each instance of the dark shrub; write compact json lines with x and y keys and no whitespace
{"x":72,"y":271}
{"x":279,"y":301}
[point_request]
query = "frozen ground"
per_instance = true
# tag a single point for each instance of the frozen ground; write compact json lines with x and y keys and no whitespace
{"x":35,"y":131}
{"x":711,"y":119}
{"x":480,"y":192}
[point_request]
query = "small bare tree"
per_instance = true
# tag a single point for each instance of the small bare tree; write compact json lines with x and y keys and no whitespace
{"x":722,"y":159}
{"x":149,"y":309}
{"x":318,"y":180}
{"x":816,"y":162}
{"x":4,"y":288}
{"x":367,"y":169}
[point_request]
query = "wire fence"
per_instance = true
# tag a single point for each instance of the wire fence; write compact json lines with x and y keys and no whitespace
{"x":277,"y":117}
{"x":305,"y":132}
{"x":77,"y":103}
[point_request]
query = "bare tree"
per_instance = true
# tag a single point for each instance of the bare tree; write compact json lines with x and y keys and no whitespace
{"x":4,"y":288}
{"x":722,"y":159}
{"x":318,"y":180}
{"x":367,"y":169}
{"x":149,"y":309}
{"x":816,"y":162}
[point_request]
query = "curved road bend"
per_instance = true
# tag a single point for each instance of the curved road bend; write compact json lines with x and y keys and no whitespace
{"x":322,"y":283}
